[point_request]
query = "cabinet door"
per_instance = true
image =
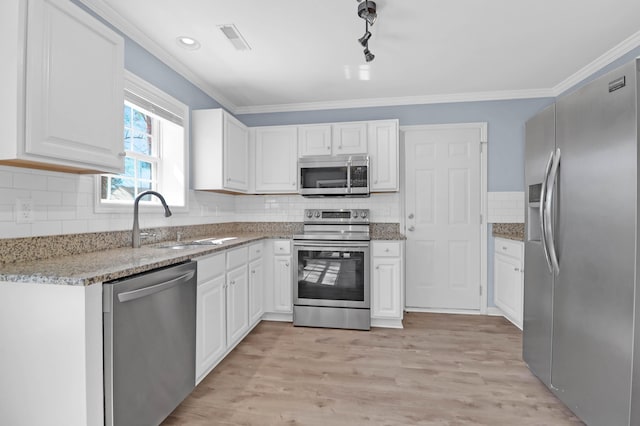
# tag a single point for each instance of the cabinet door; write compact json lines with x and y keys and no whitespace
{"x":282,"y":297}
{"x":74,"y":87}
{"x":508,"y":286}
{"x":210,"y":324}
{"x":237,"y":304}
{"x":236,"y":154}
{"x":276,"y":156}
{"x":314,"y":140}
{"x":349,"y":138}
{"x":386,"y":291}
{"x":383,"y":155}
{"x":256,"y":284}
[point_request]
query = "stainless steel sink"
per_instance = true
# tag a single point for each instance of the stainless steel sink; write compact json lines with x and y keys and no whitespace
{"x":195,"y":244}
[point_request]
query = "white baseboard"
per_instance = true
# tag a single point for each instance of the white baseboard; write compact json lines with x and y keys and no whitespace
{"x":386,"y":323}
{"x":444,"y":311}
{"x":494,"y":311}
{"x":277,"y":316}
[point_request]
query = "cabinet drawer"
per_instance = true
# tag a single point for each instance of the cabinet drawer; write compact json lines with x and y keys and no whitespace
{"x":210,"y":266}
{"x":237,"y":257}
{"x":509,"y":247}
{"x":255,"y":251}
{"x":386,"y":249}
{"x":282,"y":247}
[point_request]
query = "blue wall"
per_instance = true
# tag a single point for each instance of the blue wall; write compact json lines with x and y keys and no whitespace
{"x":505,"y":128}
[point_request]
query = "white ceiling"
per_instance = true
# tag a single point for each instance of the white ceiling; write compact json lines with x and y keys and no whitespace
{"x":305,"y":55}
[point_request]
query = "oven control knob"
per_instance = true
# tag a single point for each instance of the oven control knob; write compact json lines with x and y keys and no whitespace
{"x":309,"y":213}
{"x":355,"y":214}
{"x":363,"y":214}
{"x":317,"y":214}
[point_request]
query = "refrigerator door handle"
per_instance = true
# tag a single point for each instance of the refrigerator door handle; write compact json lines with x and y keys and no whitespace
{"x":543,"y":194}
{"x":547,"y":213}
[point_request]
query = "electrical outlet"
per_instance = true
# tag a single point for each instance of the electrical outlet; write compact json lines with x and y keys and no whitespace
{"x":24,"y":210}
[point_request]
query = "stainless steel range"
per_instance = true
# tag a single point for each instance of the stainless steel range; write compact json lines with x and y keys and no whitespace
{"x":332,"y":259}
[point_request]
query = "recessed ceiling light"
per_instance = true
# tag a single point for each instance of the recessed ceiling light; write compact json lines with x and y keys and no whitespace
{"x":188,"y":43}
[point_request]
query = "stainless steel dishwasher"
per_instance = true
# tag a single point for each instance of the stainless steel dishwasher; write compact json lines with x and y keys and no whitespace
{"x":149,"y":323}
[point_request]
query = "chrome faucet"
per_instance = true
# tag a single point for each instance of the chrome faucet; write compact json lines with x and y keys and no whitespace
{"x":135,"y":237}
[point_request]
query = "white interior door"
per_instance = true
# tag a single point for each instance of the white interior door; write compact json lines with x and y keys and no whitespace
{"x":442,"y":208}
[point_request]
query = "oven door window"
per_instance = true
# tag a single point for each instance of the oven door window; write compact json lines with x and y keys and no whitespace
{"x":331,"y":275}
{"x":323,"y":177}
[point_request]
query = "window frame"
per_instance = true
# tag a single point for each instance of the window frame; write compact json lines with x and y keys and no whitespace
{"x":145,"y":90}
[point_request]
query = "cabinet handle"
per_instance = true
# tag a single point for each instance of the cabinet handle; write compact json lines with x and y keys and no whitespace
{"x":328,"y":148}
{"x":386,"y":250}
{"x":411,"y":216}
{"x":412,"y":228}
{"x":339,"y":146}
{"x":253,"y":271}
{"x":516,"y":269}
{"x":293,"y":184}
{"x":504,"y":248}
{"x":233,"y":283}
{"x":377,"y":267}
{"x":122,"y":154}
{"x":257,"y":251}
{"x":286,"y":264}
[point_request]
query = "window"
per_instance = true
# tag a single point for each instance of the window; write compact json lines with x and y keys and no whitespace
{"x":154,"y":142}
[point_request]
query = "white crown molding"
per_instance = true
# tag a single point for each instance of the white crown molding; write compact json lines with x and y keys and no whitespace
{"x":114,"y":18}
{"x":602,"y":61}
{"x":407,"y":100}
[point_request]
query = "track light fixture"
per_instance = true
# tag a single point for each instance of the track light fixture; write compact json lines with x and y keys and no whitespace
{"x":368,"y":56}
{"x":367,"y":11}
{"x":364,"y":40}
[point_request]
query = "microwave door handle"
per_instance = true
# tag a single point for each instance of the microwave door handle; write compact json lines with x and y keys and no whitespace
{"x":349,"y":189}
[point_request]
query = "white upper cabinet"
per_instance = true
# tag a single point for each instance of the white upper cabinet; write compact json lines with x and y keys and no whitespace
{"x":219,"y":151}
{"x":349,"y":138}
{"x":61,"y":84}
{"x":276,"y":152}
{"x":332,"y":139}
{"x":314,"y":140}
{"x":383,"y":155}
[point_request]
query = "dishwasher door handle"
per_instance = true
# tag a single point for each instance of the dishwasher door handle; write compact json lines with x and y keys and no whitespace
{"x":147,"y":291}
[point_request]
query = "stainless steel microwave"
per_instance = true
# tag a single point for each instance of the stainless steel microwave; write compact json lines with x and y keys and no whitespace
{"x":320,"y":176}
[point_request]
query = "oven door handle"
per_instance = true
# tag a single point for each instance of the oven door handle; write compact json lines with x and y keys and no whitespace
{"x":330,"y":245}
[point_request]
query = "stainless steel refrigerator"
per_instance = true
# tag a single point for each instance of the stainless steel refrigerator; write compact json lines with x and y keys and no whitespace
{"x":581,"y":254}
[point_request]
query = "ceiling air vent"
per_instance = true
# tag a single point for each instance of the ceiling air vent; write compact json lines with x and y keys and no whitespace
{"x":231,"y":32}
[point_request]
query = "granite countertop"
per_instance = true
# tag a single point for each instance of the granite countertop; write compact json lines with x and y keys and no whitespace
{"x":86,"y":268}
{"x":510,"y":231}
{"x":105,"y":265}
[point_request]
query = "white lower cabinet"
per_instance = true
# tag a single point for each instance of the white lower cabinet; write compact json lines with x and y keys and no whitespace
{"x":508,"y":279}
{"x":256,"y":285}
{"x":211,"y":342}
{"x":237,"y":304}
{"x":229,"y":303}
{"x":387,"y":284}
{"x":282,"y":277}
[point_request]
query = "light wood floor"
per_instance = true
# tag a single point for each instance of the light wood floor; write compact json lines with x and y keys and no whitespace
{"x":439,"y":370}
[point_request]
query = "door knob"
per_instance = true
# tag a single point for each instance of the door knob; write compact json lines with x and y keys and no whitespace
{"x":412,"y":228}
{"x":411,"y":216}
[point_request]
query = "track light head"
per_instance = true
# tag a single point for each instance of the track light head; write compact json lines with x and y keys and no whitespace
{"x":364,"y":40}
{"x":368,"y":56}
{"x":367,"y":11}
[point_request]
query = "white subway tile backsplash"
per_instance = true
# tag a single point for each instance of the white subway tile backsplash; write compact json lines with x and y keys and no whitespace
{"x":505,"y":207}
{"x":30,"y":181}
